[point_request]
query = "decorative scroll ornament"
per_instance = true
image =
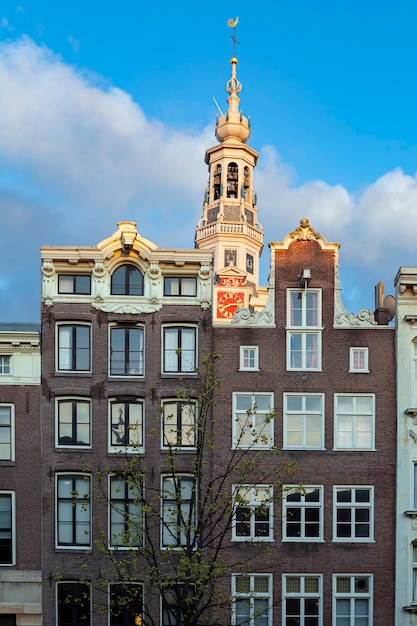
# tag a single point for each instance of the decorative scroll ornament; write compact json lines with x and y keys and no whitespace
{"x":48,"y":282}
{"x":204,"y":274}
{"x":304,"y":232}
{"x":365,"y":317}
{"x":99,"y":283}
{"x":124,"y":307}
{"x":155,"y":274}
{"x":265,"y":317}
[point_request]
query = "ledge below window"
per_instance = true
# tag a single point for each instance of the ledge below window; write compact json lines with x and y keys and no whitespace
{"x":412,"y":608}
{"x":411,"y":513}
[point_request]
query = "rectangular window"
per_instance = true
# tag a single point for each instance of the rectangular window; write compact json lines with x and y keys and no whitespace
{"x":352,"y":600}
{"x":414,"y":571}
{"x":73,"y":422}
{"x":249,"y":263}
{"x":358,"y":360}
{"x":173,"y":602}
{"x":126,"y":426}
{"x":73,"y":604}
{"x":4,"y":365}
{"x":303,"y":343}
{"x":6,"y":432}
{"x":73,"y":511}
{"x":7,"y":528}
{"x":303,"y":421}
{"x":302,"y":513}
{"x":74,"y":283}
{"x":253,"y":423}
{"x":126,"y":512}
{"x":74,"y":348}
{"x":302,"y":600}
{"x":126,"y":604}
{"x":179,"y":423}
{"x":252,"y":599}
{"x":180,"y":286}
{"x":126,"y":351}
{"x":353,"y":518}
{"x":180,"y":349}
{"x":249,"y":358}
{"x":354,"y":422}
{"x":178,"y":511}
{"x":253,"y":506}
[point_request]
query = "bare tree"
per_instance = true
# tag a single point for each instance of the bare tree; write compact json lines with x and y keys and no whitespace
{"x":175,"y":537}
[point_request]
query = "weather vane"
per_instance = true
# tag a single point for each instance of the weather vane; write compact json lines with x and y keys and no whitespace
{"x":233,"y":23}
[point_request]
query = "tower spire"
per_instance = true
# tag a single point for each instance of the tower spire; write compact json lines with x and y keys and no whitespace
{"x":229,"y":226}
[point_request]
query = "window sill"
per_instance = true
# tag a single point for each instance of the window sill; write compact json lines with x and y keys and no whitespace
{"x":67,"y":373}
{"x":411,"y":513}
{"x":307,"y":540}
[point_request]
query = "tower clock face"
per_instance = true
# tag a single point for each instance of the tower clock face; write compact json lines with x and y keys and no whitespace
{"x":228,"y":302}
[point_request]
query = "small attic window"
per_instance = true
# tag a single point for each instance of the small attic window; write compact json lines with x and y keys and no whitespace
{"x":127,"y":280}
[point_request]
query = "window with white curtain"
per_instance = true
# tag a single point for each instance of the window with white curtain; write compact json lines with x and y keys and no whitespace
{"x":354,"y":421}
{"x":180,"y":286}
{"x":74,"y":348}
{"x":179,"y":349}
{"x":304,"y":329}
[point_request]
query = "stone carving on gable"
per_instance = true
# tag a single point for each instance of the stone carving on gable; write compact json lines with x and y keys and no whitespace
{"x":204,"y":274}
{"x":155,"y":276}
{"x":99,"y":282}
{"x":304,"y":232}
{"x":265,"y":317}
{"x":48,"y":282}
{"x":364,"y":318}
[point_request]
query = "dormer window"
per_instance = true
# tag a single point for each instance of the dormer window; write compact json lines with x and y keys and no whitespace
{"x":127,"y":280}
{"x":232,"y":180}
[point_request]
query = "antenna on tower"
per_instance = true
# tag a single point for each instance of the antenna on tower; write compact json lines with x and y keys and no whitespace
{"x":217,"y":105}
{"x":233,"y":23}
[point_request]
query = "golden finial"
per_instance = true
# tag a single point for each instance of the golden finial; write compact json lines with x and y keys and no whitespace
{"x":233,"y":23}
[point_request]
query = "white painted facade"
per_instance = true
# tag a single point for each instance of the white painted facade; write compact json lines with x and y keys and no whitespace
{"x":406,"y":522}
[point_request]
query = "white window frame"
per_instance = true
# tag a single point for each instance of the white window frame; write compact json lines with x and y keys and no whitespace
{"x":78,"y":399}
{"x":71,"y":281}
{"x":126,"y":428}
{"x":73,"y":602}
{"x":303,"y":596}
{"x":181,"y":283}
{"x":252,"y":498}
{"x":304,"y":505}
{"x":59,"y":347}
{"x":11,"y":429}
{"x":249,"y":362}
{"x":305,"y":329}
{"x":80,"y":509}
{"x":305,"y":416}
{"x":122,"y":511}
{"x":125,"y":607}
{"x":180,"y":508}
{"x":414,"y":381}
{"x":252,"y":597}
{"x":353,"y":419}
{"x":352,"y":360}
{"x":12,"y":496}
{"x":353,"y":595}
{"x":258,"y":420}
{"x":5,"y":364}
{"x":140,"y":370}
{"x":173,"y":593}
{"x":183,"y":426}
{"x":353,"y":505}
{"x":184,"y":367}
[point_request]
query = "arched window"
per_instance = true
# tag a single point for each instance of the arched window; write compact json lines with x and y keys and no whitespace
{"x":246,"y":183}
{"x":217,"y":182}
{"x":232,"y":180}
{"x":127,"y":280}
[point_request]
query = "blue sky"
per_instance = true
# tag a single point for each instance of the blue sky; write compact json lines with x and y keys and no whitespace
{"x":97,"y":97}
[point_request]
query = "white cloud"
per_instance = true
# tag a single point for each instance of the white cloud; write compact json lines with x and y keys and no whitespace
{"x":76,"y":158}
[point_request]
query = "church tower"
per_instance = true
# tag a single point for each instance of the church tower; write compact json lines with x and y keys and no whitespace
{"x":229,"y":226}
